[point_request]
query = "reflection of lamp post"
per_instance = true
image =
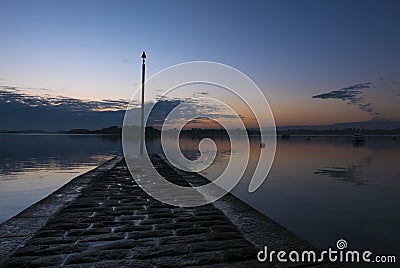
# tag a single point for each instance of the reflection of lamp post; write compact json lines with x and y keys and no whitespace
{"x":142,"y":132}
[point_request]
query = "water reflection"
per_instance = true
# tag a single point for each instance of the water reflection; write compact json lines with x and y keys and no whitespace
{"x":352,"y":174}
{"x":358,"y":143}
{"x":11,"y":168}
{"x":33,"y":166}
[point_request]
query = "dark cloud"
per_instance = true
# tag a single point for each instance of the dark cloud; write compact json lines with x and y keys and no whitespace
{"x":160,"y":111}
{"x":352,"y":94}
{"x":48,"y":112}
{"x":14,"y":94}
{"x":200,"y":94}
{"x":202,"y":120}
{"x":193,"y":108}
{"x":20,"y":110}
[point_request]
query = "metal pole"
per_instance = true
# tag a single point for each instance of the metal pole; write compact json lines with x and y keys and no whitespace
{"x":142,"y":127}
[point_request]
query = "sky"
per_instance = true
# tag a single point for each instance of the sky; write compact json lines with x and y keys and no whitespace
{"x":317,"y":62}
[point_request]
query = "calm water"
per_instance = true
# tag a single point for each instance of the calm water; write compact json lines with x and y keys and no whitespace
{"x":33,"y":166}
{"x":322,"y":189}
{"x":326,"y":188}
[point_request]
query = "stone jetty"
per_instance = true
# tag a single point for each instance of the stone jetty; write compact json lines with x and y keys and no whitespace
{"x":104,"y":219}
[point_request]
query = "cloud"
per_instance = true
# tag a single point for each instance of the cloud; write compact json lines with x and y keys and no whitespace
{"x":43,"y":111}
{"x":12,"y":94}
{"x":352,"y":94}
{"x":190,"y":109}
{"x":21,"y":110}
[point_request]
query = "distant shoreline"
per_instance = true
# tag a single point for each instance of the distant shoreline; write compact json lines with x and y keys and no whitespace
{"x":197,"y":132}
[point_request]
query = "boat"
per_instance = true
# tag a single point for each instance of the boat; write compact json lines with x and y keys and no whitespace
{"x":357,"y":137}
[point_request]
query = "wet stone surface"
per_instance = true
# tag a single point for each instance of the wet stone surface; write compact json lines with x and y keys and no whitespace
{"x":114,"y":223}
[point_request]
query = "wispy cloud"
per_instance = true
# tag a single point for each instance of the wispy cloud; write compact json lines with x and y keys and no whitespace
{"x":192,"y":110}
{"x":353,"y":94}
{"x":13,"y":94}
{"x":43,"y":101}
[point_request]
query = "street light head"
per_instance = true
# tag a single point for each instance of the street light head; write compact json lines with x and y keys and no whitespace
{"x":143,"y":55}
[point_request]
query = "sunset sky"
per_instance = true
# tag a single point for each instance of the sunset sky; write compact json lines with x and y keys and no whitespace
{"x":317,"y":62}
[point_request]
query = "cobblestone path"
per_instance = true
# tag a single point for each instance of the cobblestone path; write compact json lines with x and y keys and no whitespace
{"x":114,"y":223}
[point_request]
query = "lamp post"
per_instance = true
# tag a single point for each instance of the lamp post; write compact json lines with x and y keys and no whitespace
{"x":142,"y":127}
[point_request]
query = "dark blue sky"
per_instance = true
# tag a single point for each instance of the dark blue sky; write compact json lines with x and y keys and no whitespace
{"x":293,"y":50}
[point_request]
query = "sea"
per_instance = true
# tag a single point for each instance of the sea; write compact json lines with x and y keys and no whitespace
{"x":322,"y":188}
